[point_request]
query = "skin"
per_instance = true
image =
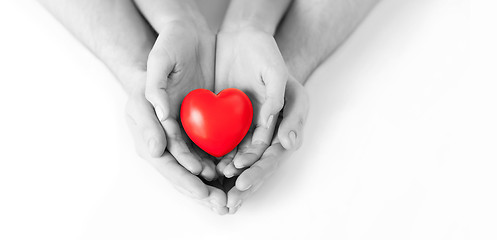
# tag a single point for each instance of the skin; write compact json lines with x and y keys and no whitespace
{"x":309,"y":33}
{"x":149,"y":50}
{"x":116,"y":32}
{"x":181,"y":60}
{"x":313,"y":29}
{"x":248,"y":58}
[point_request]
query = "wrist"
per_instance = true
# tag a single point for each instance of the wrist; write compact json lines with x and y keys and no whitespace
{"x":187,"y":15}
{"x":262,"y":15}
{"x":246,"y":25}
{"x":246,"y":33}
{"x":131,"y":78}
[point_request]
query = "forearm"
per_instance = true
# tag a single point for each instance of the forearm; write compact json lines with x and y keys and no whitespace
{"x":159,"y":13}
{"x":313,"y":29}
{"x":112,"y":29}
{"x":259,"y":14}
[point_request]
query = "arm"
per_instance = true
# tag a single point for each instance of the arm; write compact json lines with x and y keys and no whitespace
{"x":117,"y":34}
{"x":313,"y":29}
{"x":181,"y":60}
{"x":248,"y":58}
{"x":160,"y":13}
{"x":310,"y":32}
{"x":258,"y":14}
{"x":112,"y":29}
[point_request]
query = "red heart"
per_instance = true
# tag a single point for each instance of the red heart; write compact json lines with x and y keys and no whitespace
{"x":216,"y":123}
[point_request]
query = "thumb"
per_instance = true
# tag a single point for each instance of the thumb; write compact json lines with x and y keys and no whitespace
{"x":159,"y":66}
{"x":275,"y":80}
{"x":290,"y":130}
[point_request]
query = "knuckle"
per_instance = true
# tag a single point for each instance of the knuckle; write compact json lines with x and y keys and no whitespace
{"x":184,"y":156}
{"x":177,"y":138}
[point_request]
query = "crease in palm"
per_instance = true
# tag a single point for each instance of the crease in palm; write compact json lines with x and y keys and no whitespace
{"x":249,"y":61}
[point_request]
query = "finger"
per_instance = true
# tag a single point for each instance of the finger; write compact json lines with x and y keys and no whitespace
{"x":249,"y":151}
{"x":249,"y":155}
{"x":208,"y":166}
{"x":231,"y":169}
{"x":275,"y":80}
{"x":208,"y":170}
{"x":251,"y":176}
{"x":217,"y":199}
{"x":183,"y":180}
{"x":235,"y":199}
{"x":227,"y":159}
{"x":179,"y":149}
{"x":262,"y":169}
{"x":290,"y":131}
{"x":141,"y":118}
{"x":159,"y":66}
{"x":140,"y":112}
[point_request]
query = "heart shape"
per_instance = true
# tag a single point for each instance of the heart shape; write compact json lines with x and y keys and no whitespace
{"x":216,"y":123}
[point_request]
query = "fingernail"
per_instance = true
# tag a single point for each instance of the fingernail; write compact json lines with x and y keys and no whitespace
{"x":269,"y":121}
{"x":160,"y":113}
{"x":229,"y":175}
{"x":248,"y":187}
{"x":152,"y":144}
{"x":238,"y":165}
{"x":293,"y":137}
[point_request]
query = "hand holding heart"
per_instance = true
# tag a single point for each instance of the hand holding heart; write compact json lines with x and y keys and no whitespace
{"x":143,"y":123}
{"x":252,"y":133}
{"x":182,"y":60}
{"x":294,"y":116}
{"x":249,"y":59}
{"x":216,"y":123}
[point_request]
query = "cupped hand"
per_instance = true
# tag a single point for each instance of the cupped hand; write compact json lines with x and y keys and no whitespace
{"x":288,"y":138}
{"x":181,"y":60}
{"x":249,"y":59}
{"x":144,"y":127}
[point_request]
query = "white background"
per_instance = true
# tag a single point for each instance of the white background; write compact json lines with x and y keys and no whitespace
{"x":400,"y":141}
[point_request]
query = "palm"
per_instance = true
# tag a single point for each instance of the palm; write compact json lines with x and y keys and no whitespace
{"x":242,"y":65}
{"x":194,"y":67}
{"x":180,"y":61}
{"x":250,"y":60}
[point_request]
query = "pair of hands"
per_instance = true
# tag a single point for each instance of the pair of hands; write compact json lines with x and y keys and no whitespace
{"x":184,"y":58}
